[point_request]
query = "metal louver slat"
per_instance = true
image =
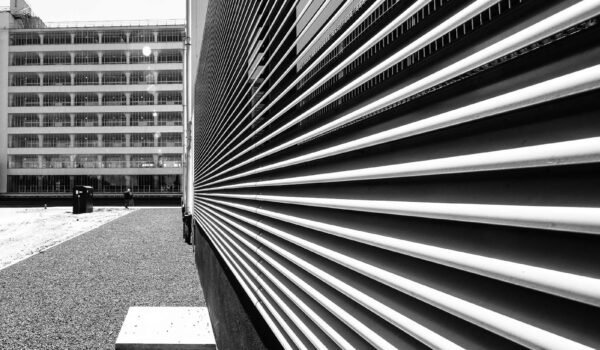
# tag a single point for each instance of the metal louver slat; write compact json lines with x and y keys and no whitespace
{"x":405,"y":174}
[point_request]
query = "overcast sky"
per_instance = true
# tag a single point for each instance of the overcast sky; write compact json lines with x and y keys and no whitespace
{"x":103,"y":10}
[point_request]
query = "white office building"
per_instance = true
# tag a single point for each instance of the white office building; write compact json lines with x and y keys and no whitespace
{"x":97,"y":104}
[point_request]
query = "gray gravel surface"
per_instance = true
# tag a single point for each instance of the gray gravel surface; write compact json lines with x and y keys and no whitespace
{"x":76,"y":295}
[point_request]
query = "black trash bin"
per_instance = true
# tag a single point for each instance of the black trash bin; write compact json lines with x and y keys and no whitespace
{"x":83,"y":199}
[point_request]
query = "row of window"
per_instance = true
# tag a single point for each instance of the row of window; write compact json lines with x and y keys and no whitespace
{"x":100,"y":183}
{"x":95,"y":37}
{"x":92,"y":99}
{"x":109,"y":57}
{"x":95,"y":140}
{"x":87,"y":78}
{"x":88,"y":120}
{"x":109,"y":161}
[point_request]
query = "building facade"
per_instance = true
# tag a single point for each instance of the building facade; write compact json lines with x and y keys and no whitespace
{"x":388,"y":174}
{"x":97,"y":105}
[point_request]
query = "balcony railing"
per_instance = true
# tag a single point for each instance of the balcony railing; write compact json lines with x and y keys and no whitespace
{"x":87,"y":103}
{"x":58,"y":165}
{"x":170,"y":144}
{"x":107,"y":164}
{"x":25,"y":145}
{"x":170,"y":123}
{"x":87,"y":144}
{"x":26,"y":104}
{"x":142,"y":144}
{"x":114,"y":144}
{"x":26,"y":124}
{"x":24,"y":165}
{"x":96,"y":24}
{"x":26,"y":83}
{"x":114,"y":103}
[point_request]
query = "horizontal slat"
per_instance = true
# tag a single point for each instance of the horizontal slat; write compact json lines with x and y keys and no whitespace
{"x":384,"y":174}
{"x":573,"y":15}
{"x":567,"y":85}
{"x":331,"y":47}
{"x":242,"y":279}
{"x":516,"y":330}
{"x":416,"y":330}
{"x":575,"y":219}
{"x":276,"y":296}
{"x":568,"y":285}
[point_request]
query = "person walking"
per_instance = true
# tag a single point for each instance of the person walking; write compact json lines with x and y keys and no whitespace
{"x":128,"y":196}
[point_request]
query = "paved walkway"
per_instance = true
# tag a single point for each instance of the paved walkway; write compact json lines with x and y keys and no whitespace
{"x":76,"y":295}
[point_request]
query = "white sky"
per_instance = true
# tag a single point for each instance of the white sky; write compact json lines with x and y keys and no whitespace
{"x":104,"y":10}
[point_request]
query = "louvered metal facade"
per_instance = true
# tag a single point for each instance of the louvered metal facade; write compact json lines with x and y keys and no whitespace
{"x":405,"y":174}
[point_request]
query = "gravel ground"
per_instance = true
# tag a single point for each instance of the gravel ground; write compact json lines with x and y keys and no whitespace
{"x":76,"y":295}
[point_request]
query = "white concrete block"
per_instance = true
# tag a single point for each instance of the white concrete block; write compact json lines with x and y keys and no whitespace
{"x":168,"y":328}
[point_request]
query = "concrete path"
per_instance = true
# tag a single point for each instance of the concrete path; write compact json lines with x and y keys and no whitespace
{"x":76,"y":295}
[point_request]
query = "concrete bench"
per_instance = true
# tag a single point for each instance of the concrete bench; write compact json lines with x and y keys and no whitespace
{"x":168,"y":328}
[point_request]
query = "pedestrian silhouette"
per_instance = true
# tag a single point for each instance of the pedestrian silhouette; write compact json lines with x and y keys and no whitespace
{"x":128,"y":196}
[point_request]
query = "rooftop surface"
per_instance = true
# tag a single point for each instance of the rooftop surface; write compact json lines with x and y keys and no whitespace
{"x":76,"y":295}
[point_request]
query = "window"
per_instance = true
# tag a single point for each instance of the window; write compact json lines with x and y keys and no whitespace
{"x":114,"y":79}
{"x":169,"y":119}
{"x":55,"y":184}
{"x":23,"y":184}
{"x":57,"y":38}
{"x":86,"y":79}
{"x":170,"y":140}
{"x":170,"y":77}
{"x":93,"y":181}
{"x":114,"y":58}
{"x":169,"y":183}
{"x":86,"y":100}
{"x":24,"y":121}
{"x":170,"y":57}
{"x":142,"y":119}
{"x":114,"y":99}
{"x":113,"y":119}
{"x":25,"y":39}
{"x":57,"y":120}
{"x":57,"y":58}
{"x":23,"y":162}
{"x":57,"y":79}
{"x":114,"y":161}
{"x":142,"y":78}
{"x":86,"y":38}
{"x":170,"y":161}
{"x":87,"y":161}
{"x":114,"y":37}
{"x":142,"y":161}
{"x":57,"y":162}
{"x":141,"y":98}
{"x":26,"y":80}
{"x":26,"y":59}
{"x":141,"y":36}
{"x":142,"y":183}
{"x":170,"y":36}
{"x":57,"y":141}
{"x":169,"y":98}
{"x":86,"y":120}
{"x":23,"y":141}
{"x":142,"y":140}
{"x":86,"y":58}
{"x":25,"y":101}
{"x":113,"y":183}
{"x":114,"y":140}
{"x":86,"y":140}
{"x":139,"y":57}
{"x":57,"y":100}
